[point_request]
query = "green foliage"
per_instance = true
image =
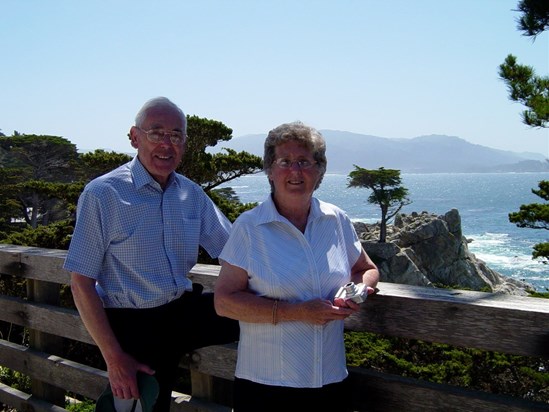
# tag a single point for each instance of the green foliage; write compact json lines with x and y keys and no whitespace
{"x":541,"y":251}
{"x":533,"y":92}
{"x":87,"y":405}
{"x":10,"y":206}
{"x":35,"y":164}
{"x":231,"y":165}
{"x":99,"y":162}
{"x":543,"y":295}
{"x":53,"y":236}
{"x":535,"y":17}
{"x":470,"y":368}
{"x":522,"y":82}
{"x":386,"y":192}
{"x":535,"y":216}
{"x":211,"y":170}
{"x":48,"y":158}
{"x":528,"y":89}
{"x":15,"y":379}
{"x":202,"y":133}
{"x":228,"y":203}
{"x":438,"y":285}
{"x":413,"y":359}
{"x":12,"y":286}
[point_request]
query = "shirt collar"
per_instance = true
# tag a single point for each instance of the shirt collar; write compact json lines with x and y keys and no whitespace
{"x":269,"y":213}
{"x":141,"y":177}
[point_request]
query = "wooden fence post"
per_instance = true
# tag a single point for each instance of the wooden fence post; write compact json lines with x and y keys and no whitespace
{"x":45,"y":292}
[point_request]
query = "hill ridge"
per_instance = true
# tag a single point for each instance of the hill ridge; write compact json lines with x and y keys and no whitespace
{"x":433,"y":153}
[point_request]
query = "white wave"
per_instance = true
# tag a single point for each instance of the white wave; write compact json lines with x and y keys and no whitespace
{"x":368,"y":220}
{"x":510,"y":261}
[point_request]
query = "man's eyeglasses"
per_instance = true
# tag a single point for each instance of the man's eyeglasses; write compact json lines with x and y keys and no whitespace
{"x":157,"y":135}
{"x":287,"y":163}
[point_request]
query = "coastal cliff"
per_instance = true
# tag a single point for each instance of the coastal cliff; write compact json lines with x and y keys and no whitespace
{"x":424,"y":249}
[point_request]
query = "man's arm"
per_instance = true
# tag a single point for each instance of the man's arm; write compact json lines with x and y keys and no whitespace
{"x":122,"y":368}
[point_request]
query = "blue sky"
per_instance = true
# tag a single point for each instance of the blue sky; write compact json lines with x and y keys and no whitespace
{"x":395,"y":69}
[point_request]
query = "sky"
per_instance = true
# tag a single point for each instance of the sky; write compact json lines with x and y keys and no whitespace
{"x":395,"y":69}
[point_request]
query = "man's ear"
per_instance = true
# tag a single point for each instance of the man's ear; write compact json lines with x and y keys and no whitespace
{"x":133,"y":137}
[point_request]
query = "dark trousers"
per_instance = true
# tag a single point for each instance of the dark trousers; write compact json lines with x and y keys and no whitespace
{"x":250,"y":396}
{"x":160,"y":336}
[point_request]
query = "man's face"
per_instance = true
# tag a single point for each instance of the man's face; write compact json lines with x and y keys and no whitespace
{"x":160,"y":158}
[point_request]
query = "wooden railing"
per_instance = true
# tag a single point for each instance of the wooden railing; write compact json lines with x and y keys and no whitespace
{"x":502,"y":323}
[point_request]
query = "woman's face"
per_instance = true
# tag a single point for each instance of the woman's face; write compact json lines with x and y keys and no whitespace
{"x":293,"y":182}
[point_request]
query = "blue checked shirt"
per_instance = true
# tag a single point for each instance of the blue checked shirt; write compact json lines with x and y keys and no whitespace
{"x":139,"y":241}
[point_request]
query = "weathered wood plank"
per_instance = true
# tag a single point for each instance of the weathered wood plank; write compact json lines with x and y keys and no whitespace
{"x":380,"y":392}
{"x":25,"y":402}
{"x":219,"y":360}
{"x":10,"y":260}
{"x":56,"y":320}
{"x":74,"y":377}
{"x":34,"y":263}
{"x":63,"y":373}
{"x":47,"y":267}
{"x":206,"y":275}
{"x":510,"y":324}
{"x":187,"y":403}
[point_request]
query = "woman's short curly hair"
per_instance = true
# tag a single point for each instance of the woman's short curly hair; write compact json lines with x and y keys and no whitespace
{"x":298,"y":132}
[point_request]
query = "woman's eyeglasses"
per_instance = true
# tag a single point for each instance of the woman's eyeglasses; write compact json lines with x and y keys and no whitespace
{"x":287,"y":163}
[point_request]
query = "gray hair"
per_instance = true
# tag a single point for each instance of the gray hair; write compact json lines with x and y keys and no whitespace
{"x":298,"y":132}
{"x":159,"y":103}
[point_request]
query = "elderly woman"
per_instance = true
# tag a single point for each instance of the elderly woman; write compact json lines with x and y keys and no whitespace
{"x":281,"y":268}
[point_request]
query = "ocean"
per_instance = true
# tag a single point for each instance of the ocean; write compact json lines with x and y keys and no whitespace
{"x":484,"y":201}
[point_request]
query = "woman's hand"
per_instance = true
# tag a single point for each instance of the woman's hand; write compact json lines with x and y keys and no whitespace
{"x":349,"y":303}
{"x":320,"y":311}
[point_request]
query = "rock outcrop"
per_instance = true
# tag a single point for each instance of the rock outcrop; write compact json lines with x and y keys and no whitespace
{"x":427,"y":250}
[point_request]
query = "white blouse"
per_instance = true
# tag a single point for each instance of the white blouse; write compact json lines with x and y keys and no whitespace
{"x":283,"y":263}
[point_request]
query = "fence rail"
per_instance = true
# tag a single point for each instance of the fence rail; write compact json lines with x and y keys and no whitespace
{"x":502,"y":323}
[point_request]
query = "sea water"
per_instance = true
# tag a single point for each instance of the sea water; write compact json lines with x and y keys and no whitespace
{"x":484,"y":201}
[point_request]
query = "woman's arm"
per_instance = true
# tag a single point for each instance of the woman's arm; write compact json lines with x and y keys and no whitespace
{"x":234,"y":300}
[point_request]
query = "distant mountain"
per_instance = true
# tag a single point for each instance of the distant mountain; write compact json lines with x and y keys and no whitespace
{"x":422,"y":154}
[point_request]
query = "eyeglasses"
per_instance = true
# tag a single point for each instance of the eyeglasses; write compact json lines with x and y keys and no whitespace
{"x":287,"y":163}
{"x":157,"y":135}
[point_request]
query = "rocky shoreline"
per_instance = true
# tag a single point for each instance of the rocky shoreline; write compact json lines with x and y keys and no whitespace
{"x":424,"y":249}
